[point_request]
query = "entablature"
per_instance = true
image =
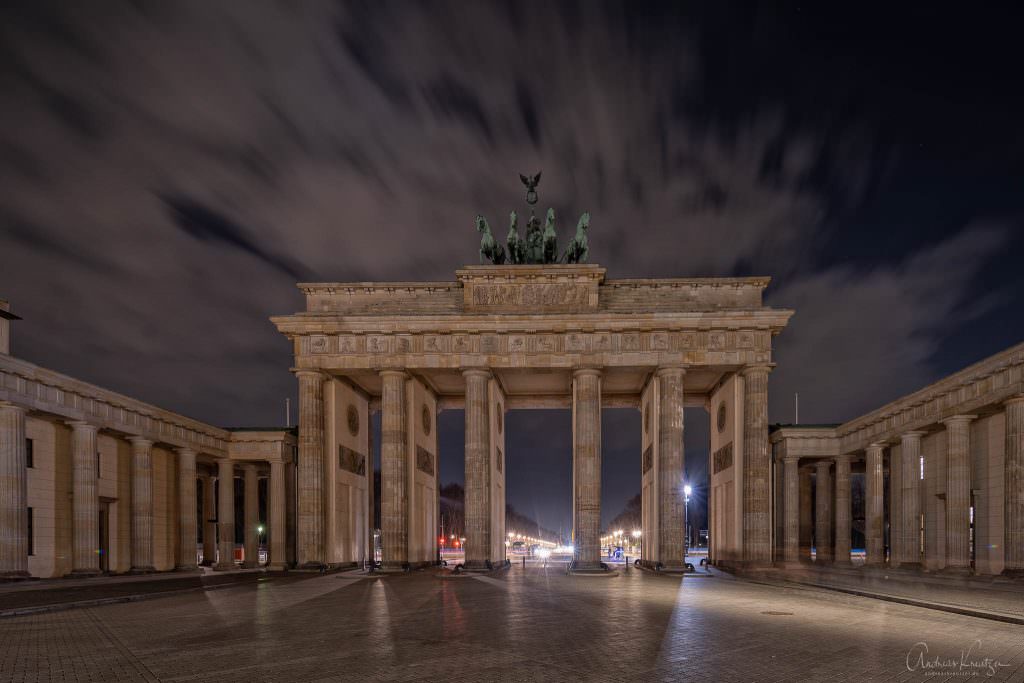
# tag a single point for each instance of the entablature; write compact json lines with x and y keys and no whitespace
{"x":48,"y":392}
{"x":978,"y":389}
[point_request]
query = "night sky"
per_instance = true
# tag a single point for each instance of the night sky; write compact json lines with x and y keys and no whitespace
{"x":168,"y":171}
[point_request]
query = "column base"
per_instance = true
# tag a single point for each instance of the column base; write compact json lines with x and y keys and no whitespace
{"x":480,"y":565}
{"x":84,"y":573}
{"x":225,"y":567}
{"x":187,"y":568}
{"x":142,"y":570}
{"x":250,"y":565}
{"x":956,"y":571}
{"x":277,"y":567}
{"x":910,"y":566}
{"x":586,"y":568}
{"x":14,"y":576}
{"x":668,"y":566}
{"x":1013,"y":573}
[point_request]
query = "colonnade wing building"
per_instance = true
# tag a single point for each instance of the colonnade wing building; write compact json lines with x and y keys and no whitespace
{"x":504,"y":337}
{"x":92,"y":481}
{"x":943,"y":473}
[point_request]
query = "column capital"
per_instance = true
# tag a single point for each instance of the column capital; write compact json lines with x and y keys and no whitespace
{"x":81,"y":425}
{"x":587,"y":372}
{"x":958,"y":419}
{"x":790,"y":459}
{"x":394,"y":372}
{"x":308,"y":372}
{"x":670,"y":369}
{"x":140,"y":441}
{"x":760,"y":367}
{"x":844,"y":456}
{"x":823,"y":463}
{"x":911,"y":435}
{"x":1013,"y":400}
{"x":881,"y":445}
{"x":7,"y":405}
{"x":248,"y":466}
{"x":185,"y":451}
{"x":477,"y":372}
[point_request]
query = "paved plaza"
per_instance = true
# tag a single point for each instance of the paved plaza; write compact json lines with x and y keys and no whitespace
{"x":521,"y":625}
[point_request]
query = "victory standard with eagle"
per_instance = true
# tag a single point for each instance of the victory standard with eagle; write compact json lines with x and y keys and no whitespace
{"x":539,"y":246}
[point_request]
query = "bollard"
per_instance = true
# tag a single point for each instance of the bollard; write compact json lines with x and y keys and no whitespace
{"x":524,"y":561}
{"x":627,"y":563}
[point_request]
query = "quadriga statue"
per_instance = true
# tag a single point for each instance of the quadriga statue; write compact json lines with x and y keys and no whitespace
{"x":550,"y":239}
{"x":489,"y":249}
{"x":516,"y":246}
{"x":578,"y":249}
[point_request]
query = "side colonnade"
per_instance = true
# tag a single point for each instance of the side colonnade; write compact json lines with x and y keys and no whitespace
{"x":943,"y":479}
{"x":92,"y":482}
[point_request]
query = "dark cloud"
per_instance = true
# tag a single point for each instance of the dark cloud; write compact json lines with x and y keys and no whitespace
{"x":207,"y":225}
{"x":866,"y":167}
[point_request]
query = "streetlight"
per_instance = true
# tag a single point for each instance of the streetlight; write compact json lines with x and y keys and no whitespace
{"x":259,"y":542}
{"x":687,"y":490}
{"x":636,"y":537}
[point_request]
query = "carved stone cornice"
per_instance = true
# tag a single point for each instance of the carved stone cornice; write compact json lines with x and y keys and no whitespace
{"x":976,"y":389}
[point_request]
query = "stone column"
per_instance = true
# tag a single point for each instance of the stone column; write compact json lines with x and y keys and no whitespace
{"x":13,"y":493}
{"x":250,"y":535}
{"x":371,"y":521}
{"x":311,"y":546}
{"x":587,"y":468}
{"x":671,"y":468}
{"x":226,"y":513}
{"x":806,"y":515}
{"x":85,"y":504}
{"x":186,"y":509}
{"x":910,"y":481}
{"x":276,"y":491}
{"x":757,"y":545}
{"x":791,"y":510}
{"x":843,"y":510}
{"x":823,"y":511}
{"x":142,"y":505}
{"x":958,"y":493}
{"x":1013,"y":489}
{"x":895,"y":507}
{"x":209,"y":522}
{"x":478,"y":469}
{"x":394,"y":474}
{"x":874,"y":505}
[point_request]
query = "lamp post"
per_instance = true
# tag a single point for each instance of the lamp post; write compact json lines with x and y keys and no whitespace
{"x":687,"y":490}
{"x":638,"y":540}
{"x":259,"y":541}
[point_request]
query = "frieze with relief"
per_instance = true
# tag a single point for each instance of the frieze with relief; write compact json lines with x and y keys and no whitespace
{"x":424,"y":460}
{"x":536,"y":296}
{"x":701,"y":347}
{"x":350,"y":461}
{"x":722,"y":458}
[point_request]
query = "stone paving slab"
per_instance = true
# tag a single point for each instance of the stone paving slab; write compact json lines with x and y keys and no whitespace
{"x":37,"y":596}
{"x":985,"y":595}
{"x":521,"y":625}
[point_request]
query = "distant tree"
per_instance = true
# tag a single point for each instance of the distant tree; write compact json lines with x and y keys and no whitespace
{"x":631,"y":516}
{"x":453,"y":491}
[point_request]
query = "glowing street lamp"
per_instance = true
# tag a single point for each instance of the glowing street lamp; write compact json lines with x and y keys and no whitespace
{"x":687,"y":490}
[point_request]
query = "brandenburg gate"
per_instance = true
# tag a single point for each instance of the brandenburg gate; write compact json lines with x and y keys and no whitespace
{"x":501,"y":337}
